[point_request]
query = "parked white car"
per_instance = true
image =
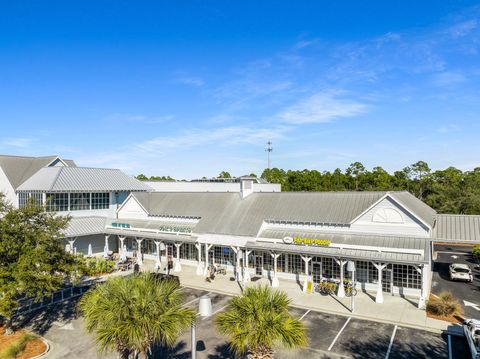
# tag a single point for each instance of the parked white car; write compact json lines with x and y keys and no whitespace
{"x":459,"y":271}
{"x":471,"y":329}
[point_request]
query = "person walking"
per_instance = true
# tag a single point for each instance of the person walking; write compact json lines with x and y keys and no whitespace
{"x":169,"y":264}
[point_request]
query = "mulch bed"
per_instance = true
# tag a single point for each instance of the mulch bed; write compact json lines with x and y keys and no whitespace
{"x":32,"y":349}
{"x":456,"y":319}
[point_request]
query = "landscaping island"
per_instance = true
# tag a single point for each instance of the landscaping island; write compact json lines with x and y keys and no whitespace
{"x":20,"y":345}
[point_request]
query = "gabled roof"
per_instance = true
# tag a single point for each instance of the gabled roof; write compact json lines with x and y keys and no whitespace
{"x":227,"y":213}
{"x":19,"y":168}
{"x":72,"y":179}
{"x":457,"y":227}
{"x":417,"y":207}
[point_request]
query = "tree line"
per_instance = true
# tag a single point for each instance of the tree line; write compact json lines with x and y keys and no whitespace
{"x":447,"y":191}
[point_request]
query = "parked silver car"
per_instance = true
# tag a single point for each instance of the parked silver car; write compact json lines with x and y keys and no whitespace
{"x":471,"y":329}
{"x":459,"y":271}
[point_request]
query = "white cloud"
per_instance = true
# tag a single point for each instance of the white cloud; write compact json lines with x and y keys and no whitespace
{"x":126,"y":117}
{"x":448,"y":128}
{"x":322,"y":107}
{"x":191,"y":80}
{"x":19,"y":142}
{"x":448,"y":78}
{"x":463,"y":28}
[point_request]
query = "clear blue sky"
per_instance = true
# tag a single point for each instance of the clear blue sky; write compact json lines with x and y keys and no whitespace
{"x":190,"y":88}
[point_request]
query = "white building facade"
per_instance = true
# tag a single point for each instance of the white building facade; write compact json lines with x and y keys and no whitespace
{"x":246,"y":225}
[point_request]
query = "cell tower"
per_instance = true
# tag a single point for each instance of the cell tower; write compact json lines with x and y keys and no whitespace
{"x":268,"y":150}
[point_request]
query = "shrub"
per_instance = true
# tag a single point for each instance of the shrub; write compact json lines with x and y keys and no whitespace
{"x":476,"y":251}
{"x":444,"y":305}
{"x":94,"y":266}
{"x":16,"y":348}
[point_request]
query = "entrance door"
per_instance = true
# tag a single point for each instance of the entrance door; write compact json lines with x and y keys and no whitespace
{"x":316,"y":272}
{"x":387,"y":279}
{"x":259,"y":264}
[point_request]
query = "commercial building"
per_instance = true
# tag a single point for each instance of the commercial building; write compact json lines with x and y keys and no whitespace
{"x":249,"y":227}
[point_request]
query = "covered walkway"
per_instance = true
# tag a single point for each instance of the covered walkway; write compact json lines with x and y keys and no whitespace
{"x":395,"y":309}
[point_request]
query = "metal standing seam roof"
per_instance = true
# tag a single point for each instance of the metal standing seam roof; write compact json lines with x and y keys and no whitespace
{"x":173,"y":237}
{"x":84,"y":226}
{"x":457,"y":227}
{"x":227,"y":213}
{"x":338,"y":252}
{"x":371,"y":240}
{"x":73,"y":179}
{"x":20,"y":168}
{"x":418,"y":207}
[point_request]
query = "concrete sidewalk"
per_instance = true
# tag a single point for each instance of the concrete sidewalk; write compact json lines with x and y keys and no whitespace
{"x":395,"y":310}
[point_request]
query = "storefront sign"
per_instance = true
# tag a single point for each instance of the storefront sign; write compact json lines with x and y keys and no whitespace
{"x":308,"y":241}
{"x":120,"y":225}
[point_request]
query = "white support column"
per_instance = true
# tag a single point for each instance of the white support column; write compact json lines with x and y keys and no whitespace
{"x":178,"y":266}
{"x":122,"y":248}
{"x":71,"y":243}
{"x":307,"y":274}
{"x":275,"y":282}
{"x":207,"y":248}
{"x":157,"y":259}
{"x":341,"y":288}
{"x":379,"y":296}
{"x":238,"y":270}
{"x":422,"y":300}
{"x":199,"y":265}
{"x":107,"y":247}
{"x":139,"y":250}
{"x":246,"y":272}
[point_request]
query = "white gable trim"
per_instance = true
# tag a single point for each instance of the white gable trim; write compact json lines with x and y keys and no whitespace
{"x":131,"y":196}
{"x":389,"y":196}
{"x":57,"y":159}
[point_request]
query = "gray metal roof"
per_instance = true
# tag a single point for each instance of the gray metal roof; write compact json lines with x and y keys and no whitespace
{"x":84,"y":226}
{"x":359,"y":254}
{"x":72,"y":179}
{"x":396,"y":242}
{"x":20,"y":168}
{"x":418,"y":207}
{"x":455,"y":227}
{"x":144,"y":234}
{"x":227,"y":213}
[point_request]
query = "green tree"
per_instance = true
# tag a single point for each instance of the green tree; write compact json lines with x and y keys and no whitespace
{"x":356,"y":170}
{"x":258,"y":321}
{"x":224,"y":174}
{"x":33,"y":262}
{"x":141,"y":177}
{"x":130,"y":315}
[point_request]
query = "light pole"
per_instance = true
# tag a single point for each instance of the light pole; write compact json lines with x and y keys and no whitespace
{"x":205,"y":311}
{"x":351,"y":269}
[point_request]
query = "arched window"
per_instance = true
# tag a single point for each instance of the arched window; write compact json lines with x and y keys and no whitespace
{"x":387,"y":215}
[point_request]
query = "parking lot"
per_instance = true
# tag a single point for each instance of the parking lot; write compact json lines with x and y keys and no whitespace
{"x":330,"y":336}
{"x":468,"y":294}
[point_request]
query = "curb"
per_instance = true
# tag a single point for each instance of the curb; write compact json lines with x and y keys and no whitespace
{"x":352,"y":315}
{"x":47,"y":344}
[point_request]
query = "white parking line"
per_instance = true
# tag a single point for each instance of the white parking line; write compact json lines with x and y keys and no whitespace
{"x":338,"y":334}
{"x":194,"y":300}
{"x":303,"y":316}
{"x":447,"y":252}
{"x":219,"y":310}
{"x":449,"y":346}
{"x":391,"y":342}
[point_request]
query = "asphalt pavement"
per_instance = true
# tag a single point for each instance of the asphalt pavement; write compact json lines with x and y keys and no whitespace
{"x":330,"y":336}
{"x":468,"y":294}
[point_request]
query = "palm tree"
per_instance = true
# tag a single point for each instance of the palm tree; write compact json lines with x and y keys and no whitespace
{"x":259,"y":320}
{"x":130,"y":315}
